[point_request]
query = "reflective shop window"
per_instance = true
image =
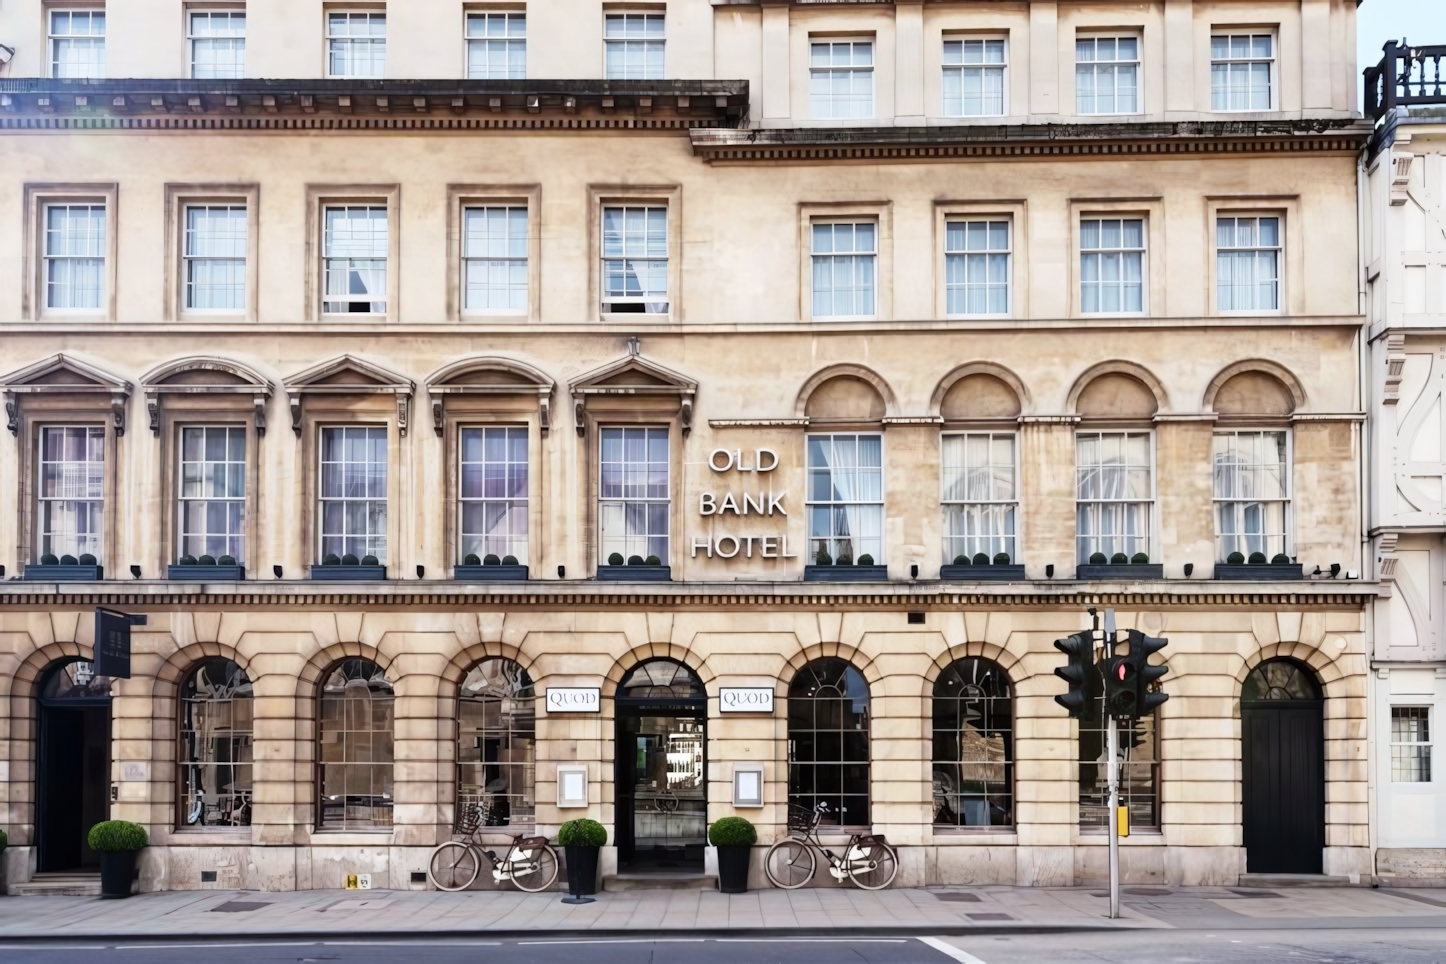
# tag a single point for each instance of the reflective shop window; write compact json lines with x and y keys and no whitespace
{"x":497,"y":745}
{"x":973,"y":746}
{"x":215,"y":755}
{"x":828,"y":743}
{"x":75,"y":680}
{"x":1139,"y":770}
{"x":354,"y":753}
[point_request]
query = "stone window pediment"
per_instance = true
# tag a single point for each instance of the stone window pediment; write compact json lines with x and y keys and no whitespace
{"x":637,"y":376}
{"x":490,"y":376}
{"x":64,"y":375}
{"x":202,"y":375}
{"x":348,"y":375}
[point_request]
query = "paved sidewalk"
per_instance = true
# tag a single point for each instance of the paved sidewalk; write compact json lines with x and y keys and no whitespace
{"x":953,"y":910}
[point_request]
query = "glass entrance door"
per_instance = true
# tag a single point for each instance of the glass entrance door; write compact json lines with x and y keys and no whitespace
{"x":663,"y":806}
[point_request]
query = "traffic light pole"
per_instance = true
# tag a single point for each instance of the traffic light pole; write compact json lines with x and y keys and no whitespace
{"x":1113,"y":751}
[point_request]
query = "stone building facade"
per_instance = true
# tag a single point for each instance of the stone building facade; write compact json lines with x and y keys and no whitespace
{"x":1037,"y":311}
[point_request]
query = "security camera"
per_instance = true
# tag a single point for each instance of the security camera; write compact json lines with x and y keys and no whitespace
{"x":6,"y":53}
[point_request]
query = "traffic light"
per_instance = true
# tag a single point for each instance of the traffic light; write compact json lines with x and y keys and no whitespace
{"x":1080,"y":648}
{"x":1122,"y":694}
{"x":1141,"y":646}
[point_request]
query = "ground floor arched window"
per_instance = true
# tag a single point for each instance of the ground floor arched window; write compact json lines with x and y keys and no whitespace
{"x":497,"y":745}
{"x":828,"y":742}
{"x":214,"y":760}
{"x":355,"y":730}
{"x":973,"y":756}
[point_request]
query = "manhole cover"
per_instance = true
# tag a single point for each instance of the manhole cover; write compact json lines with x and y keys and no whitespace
{"x":238,"y":906}
{"x":952,"y":897}
{"x":1254,"y":893}
{"x":1147,"y":892}
{"x":989,"y":917}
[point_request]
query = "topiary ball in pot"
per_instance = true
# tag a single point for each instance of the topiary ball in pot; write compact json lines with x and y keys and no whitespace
{"x":823,"y":558}
{"x":226,"y":561}
{"x":205,"y":560}
{"x":581,"y":840}
{"x":86,"y":559}
{"x":370,"y":561}
{"x":491,"y":559}
{"x":734,"y":837}
{"x":350,"y":560}
{"x":616,"y":559}
{"x":471,"y":559}
{"x":981,"y":558}
{"x":1098,"y":559}
{"x":866,"y":560}
{"x":68,"y":560}
{"x":1256,"y":559}
{"x":188,"y":560}
{"x":117,"y":842}
{"x":1280,"y":559}
{"x":652,"y":561}
{"x":1119,"y":559}
{"x":331,"y":559}
{"x":50,"y":559}
{"x":961,"y":560}
{"x":1140,"y":559}
{"x":509,"y":560}
{"x":1235,"y":559}
{"x":1001,"y":558}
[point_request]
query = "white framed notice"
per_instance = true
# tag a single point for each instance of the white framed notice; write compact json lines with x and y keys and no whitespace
{"x":747,"y":784}
{"x":572,"y":785}
{"x":574,"y":699}
{"x":745,"y":699}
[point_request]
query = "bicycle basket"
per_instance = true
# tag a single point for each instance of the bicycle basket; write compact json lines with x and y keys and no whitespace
{"x":799,"y":818}
{"x":469,"y":819}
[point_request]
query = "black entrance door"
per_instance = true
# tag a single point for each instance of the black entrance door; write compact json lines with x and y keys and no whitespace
{"x":73,"y":772}
{"x":661,"y":769}
{"x":1283,"y":751}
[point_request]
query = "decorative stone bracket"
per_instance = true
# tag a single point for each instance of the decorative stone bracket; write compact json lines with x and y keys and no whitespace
{"x":633,"y":375}
{"x":361,"y":378}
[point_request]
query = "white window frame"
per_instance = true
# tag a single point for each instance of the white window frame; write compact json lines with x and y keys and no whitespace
{"x":1143,"y":252}
{"x":353,"y":41}
{"x":322,"y":499}
{"x":984,"y":68}
{"x":814,"y":256}
{"x":1138,"y":63}
{"x":650,"y":303}
{"x":192,"y":37}
{"x":1012,"y":541}
{"x":1428,"y":743}
{"x":624,"y":500}
{"x":52,"y":39}
{"x":1272,"y":62}
{"x":827,"y":99}
{"x":515,"y":504}
{"x":232,"y":466}
{"x":987,"y":253}
{"x":507,"y":262}
{"x":49,"y":260}
{"x":1287,"y":502}
{"x":1278,"y":248}
{"x":507,"y":39}
{"x":327,"y":257}
{"x":880,"y":558}
{"x":92,"y":431}
{"x":188,"y":260}
{"x":1151,"y":503}
{"x":624,"y":16}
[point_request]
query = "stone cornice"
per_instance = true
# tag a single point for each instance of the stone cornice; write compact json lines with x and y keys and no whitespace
{"x":258,"y":105}
{"x":423,"y":596}
{"x":1031,"y":140}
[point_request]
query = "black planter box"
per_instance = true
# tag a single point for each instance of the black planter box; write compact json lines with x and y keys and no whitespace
{"x":1131,"y":570}
{"x":117,"y":870}
{"x":489,"y":573}
{"x":581,"y":869}
{"x":206,"y":573}
{"x":1260,"y":571}
{"x":64,"y":573}
{"x":845,"y":573}
{"x":733,"y":868}
{"x":349,"y":573}
{"x":989,"y":573}
{"x":635,"y":573}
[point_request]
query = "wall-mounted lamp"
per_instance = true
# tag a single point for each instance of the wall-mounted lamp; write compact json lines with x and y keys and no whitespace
{"x":914,"y":571}
{"x":1049,"y":571}
{"x":1189,"y":569}
{"x":421,"y":571}
{"x":276,"y":570}
{"x":562,"y":572}
{"x":135,"y":572}
{"x":6,"y":54}
{"x":1335,"y":570}
{"x":2,"y":572}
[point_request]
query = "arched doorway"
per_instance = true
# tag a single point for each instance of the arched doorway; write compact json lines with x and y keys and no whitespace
{"x":73,"y":765}
{"x":1283,"y":772}
{"x":662,"y":768}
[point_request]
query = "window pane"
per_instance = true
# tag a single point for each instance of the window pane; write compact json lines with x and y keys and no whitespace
{"x":214,"y":778}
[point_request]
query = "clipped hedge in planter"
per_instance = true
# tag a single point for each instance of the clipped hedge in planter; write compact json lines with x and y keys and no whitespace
{"x":117,"y":836}
{"x":732,"y":832}
{"x":734,"y":837}
{"x":582,"y":833}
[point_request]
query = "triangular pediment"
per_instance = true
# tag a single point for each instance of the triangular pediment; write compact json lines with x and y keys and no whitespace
{"x":347,"y":373}
{"x":636,"y":374}
{"x":64,"y":373}
{"x":205,"y":374}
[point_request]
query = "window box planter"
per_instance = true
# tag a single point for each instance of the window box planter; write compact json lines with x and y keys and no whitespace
{"x":489,"y":573}
{"x":349,"y":573}
{"x":1128,"y":570}
{"x":64,"y":573}
{"x":635,"y":573}
{"x":206,"y":573}
{"x":1010,"y":573}
{"x":1260,"y":571}
{"x":845,"y":573}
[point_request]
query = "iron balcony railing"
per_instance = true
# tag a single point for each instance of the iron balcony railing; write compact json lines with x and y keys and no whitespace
{"x":1405,"y":77}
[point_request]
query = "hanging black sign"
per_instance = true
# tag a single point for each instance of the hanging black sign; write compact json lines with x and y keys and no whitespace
{"x":113,"y":643}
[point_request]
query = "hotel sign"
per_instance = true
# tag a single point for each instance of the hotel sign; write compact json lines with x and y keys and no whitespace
{"x":745,"y":699}
{"x":764,"y":502}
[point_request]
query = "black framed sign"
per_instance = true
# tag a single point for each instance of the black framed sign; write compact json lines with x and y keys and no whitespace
{"x":113,"y":642}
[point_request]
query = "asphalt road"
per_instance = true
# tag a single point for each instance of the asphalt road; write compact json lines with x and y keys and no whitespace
{"x":1379,"y":946}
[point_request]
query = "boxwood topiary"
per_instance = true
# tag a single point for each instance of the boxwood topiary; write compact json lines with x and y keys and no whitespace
{"x":205,"y":560}
{"x":50,"y":559}
{"x":635,"y":560}
{"x":509,"y":560}
{"x":582,"y":833}
{"x":68,"y":560}
{"x":370,"y":561}
{"x":1119,"y":559}
{"x":652,"y":561}
{"x":1140,"y":559}
{"x":961,"y":560}
{"x":86,"y":559}
{"x":349,"y":559}
{"x":117,"y":836}
{"x":732,"y":832}
{"x":1001,"y":558}
{"x":188,"y":560}
{"x":1235,"y":559}
{"x":1098,"y":559}
{"x":226,"y":561}
{"x":823,"y":558}
{"x":492,"y":559}
{"x":866,"y":560}
{"x":1280,"y":559}
{"x":981,"y":558}
{"x":615,"y":559}
{"x":1256,"y":559}
{"x":471,"y":559}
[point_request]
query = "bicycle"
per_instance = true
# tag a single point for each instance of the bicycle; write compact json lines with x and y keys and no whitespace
{"x":530,"y":862}
{"x":868,"y":860}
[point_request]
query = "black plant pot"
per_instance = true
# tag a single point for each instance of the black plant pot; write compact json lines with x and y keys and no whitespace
{"x":733,"y":868}
{"x":581,"y":869}
{"x":117,"y":870}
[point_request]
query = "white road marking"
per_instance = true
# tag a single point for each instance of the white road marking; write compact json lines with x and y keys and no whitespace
{"x":657,"y":940}
{"x":812,"y":940}
{"x":943,"y":947}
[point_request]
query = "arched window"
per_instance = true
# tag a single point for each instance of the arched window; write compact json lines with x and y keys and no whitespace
{"x":973,"y":746}
{"x":661,"y":679}
{"x":828,"y":742}
{"x":1279,"y":679}
{"x":497,"y":745}
{"x":354,"y":755}
{"x":214,"y":778}
{"x":75,"y":680}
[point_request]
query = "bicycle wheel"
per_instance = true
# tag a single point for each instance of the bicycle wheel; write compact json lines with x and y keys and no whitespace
{"x":542,"y":875}
{"x":877,"y":870}
{"x":454,"y":866}
{"x":790,"y":864}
